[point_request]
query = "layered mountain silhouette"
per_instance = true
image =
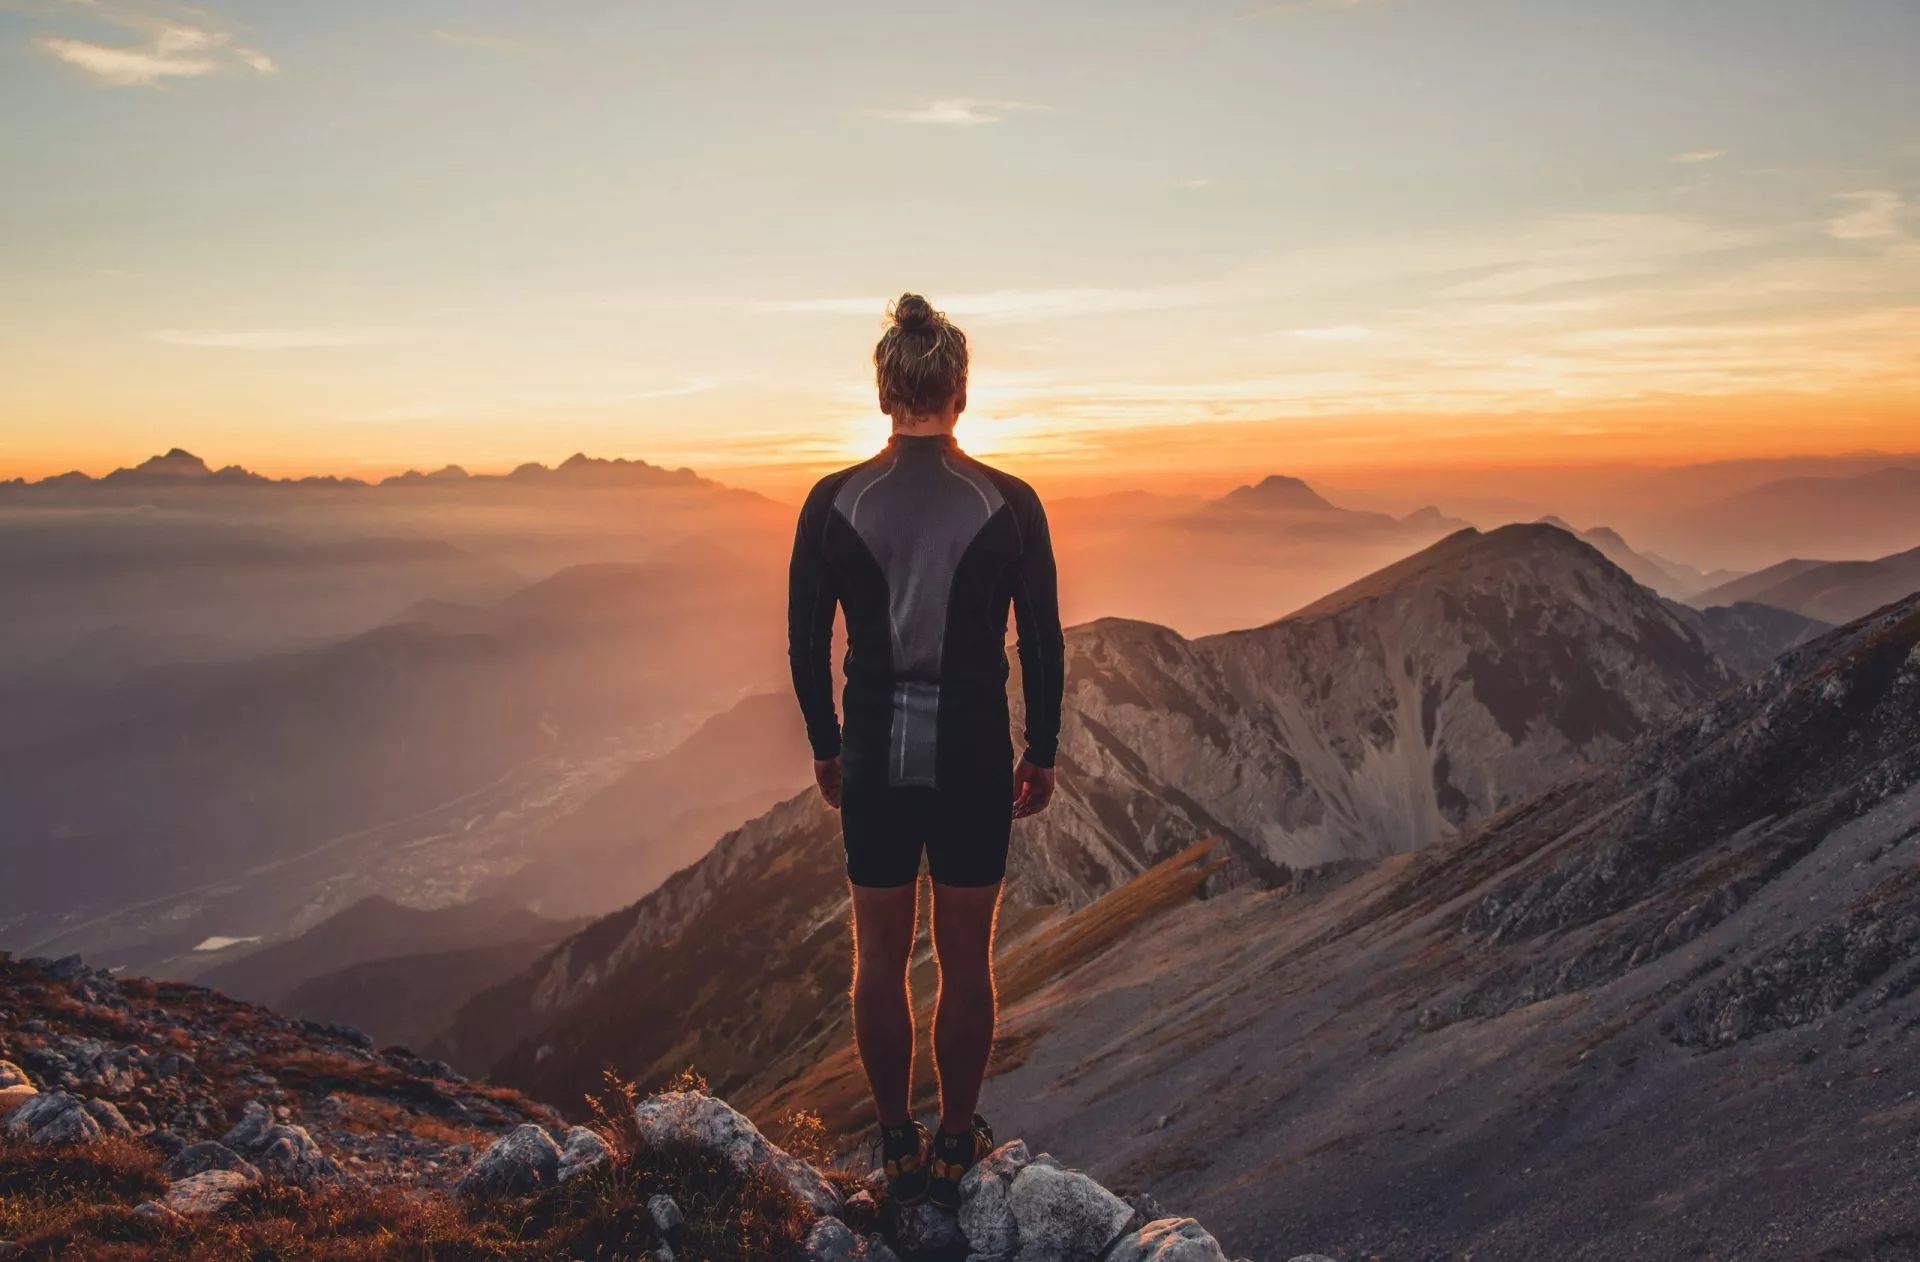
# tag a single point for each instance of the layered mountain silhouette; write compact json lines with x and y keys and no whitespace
{"x":178,"y":468}
{"x":1380,"y":721}
{"x":1833,"y":591}
{"x":94,"y":593}
{"x":285,"y":769}
{"x":1867,"y":514}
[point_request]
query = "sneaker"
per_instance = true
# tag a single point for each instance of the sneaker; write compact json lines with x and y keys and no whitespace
{"x":953,"y":1156}
{"x":905,"y":1149}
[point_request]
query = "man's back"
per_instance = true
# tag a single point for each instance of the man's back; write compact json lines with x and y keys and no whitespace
{"x":926,"y":549}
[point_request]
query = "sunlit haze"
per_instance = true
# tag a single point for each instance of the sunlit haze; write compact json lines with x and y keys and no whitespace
{"x":1185,"y":239}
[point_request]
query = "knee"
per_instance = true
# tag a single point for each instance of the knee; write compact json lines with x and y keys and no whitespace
{"x":969,"y":972}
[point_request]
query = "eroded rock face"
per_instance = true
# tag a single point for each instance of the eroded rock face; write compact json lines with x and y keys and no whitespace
{"x":525,"y":1160}
{"x":831,"y":1240}
{"x":1168,"y":1240}
{"x":691,"y":1117}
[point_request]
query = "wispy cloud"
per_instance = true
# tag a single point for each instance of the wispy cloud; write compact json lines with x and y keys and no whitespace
{"x":1698,"y":155}
{"x":958,"y":112}
{"x":179,"y":43}
{"x":274,"y":339}
{"x":1875,"y":216}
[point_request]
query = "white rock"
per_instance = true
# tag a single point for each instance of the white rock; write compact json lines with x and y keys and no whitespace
{"x":206,"y":1193}
{"x":716,"y":1129}
{"x":1064,"y":1216}
{"x":1168,"y":1240}
{"x":830,"y":1240}
{"x":986,"y":1212}
{"x":584,"y":1150}
{"x":524,"y":1160}
{"x":665,"y":1212}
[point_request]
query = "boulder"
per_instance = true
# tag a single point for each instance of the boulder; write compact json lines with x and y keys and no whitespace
{"x":250,"y":1131}
{"x":583,"y":1151}
{"x":986,"y":1212}
{"x":926,"y":1228}
{"x":524,"y":1160}
{"x":153,"y":1213}
{"x":13,"y":1097}
{"x":1168,"y":1240}
{"x":665,"y":1213}
{"x":288,"y":1153}
{"x":710,"y":1125}
{"x":1062,"y":1215}
{"x":200,"y":1158}
{"x":206,"y":1193}
{"x":830,"y":1240}
{"x":11,"y":1075}
{"x":53,"y":1117}
{"x":66,"y":968}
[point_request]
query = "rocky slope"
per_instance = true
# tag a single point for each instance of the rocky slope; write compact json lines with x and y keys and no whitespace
{"x":1664,"y":1009}
{"x":1377,"y":722}
{"x":139,"y":1119}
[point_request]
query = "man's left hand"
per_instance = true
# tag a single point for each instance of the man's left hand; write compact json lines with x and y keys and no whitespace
{"x":1032,"y":789}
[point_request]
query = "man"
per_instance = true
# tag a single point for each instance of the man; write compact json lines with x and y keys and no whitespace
{"x":925,"y":548}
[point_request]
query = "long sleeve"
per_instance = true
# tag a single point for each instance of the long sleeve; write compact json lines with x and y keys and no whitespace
{"x":810,"y":603}
{"x":1042,"y":647}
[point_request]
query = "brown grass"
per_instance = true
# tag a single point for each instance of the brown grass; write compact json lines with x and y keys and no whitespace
{"x":77,"y":1203}
{"x":835,"y":1088}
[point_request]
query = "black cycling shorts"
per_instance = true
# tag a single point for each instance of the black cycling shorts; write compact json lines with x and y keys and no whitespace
{"x":962,"y":824}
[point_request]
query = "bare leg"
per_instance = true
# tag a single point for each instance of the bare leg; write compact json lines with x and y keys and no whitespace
{"x":963,"y":918}
{"x":883,"y":925}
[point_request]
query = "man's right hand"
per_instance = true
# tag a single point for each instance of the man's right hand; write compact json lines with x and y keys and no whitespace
{"x":826,"y":773}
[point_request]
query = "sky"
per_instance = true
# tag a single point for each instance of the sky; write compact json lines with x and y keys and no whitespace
{"x":369,"y":234}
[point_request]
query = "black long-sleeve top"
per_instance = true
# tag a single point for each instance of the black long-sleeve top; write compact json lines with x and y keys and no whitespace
{"x":925,"y":548}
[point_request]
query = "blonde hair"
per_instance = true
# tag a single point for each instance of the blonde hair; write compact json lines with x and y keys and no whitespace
{"x":921,"y":361}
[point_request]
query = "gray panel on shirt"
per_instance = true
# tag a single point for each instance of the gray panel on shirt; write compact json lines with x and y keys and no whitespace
{"x":917,"y":512}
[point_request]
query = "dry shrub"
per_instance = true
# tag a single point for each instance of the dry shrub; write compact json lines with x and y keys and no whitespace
{"x":44,"y":1187}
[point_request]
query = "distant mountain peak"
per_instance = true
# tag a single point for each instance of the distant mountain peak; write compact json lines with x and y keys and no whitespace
{"x":1277,"y":492}
{"x":177,"y":464}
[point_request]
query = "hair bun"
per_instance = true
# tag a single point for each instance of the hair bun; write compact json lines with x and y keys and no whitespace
{"x":911,"y":312}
